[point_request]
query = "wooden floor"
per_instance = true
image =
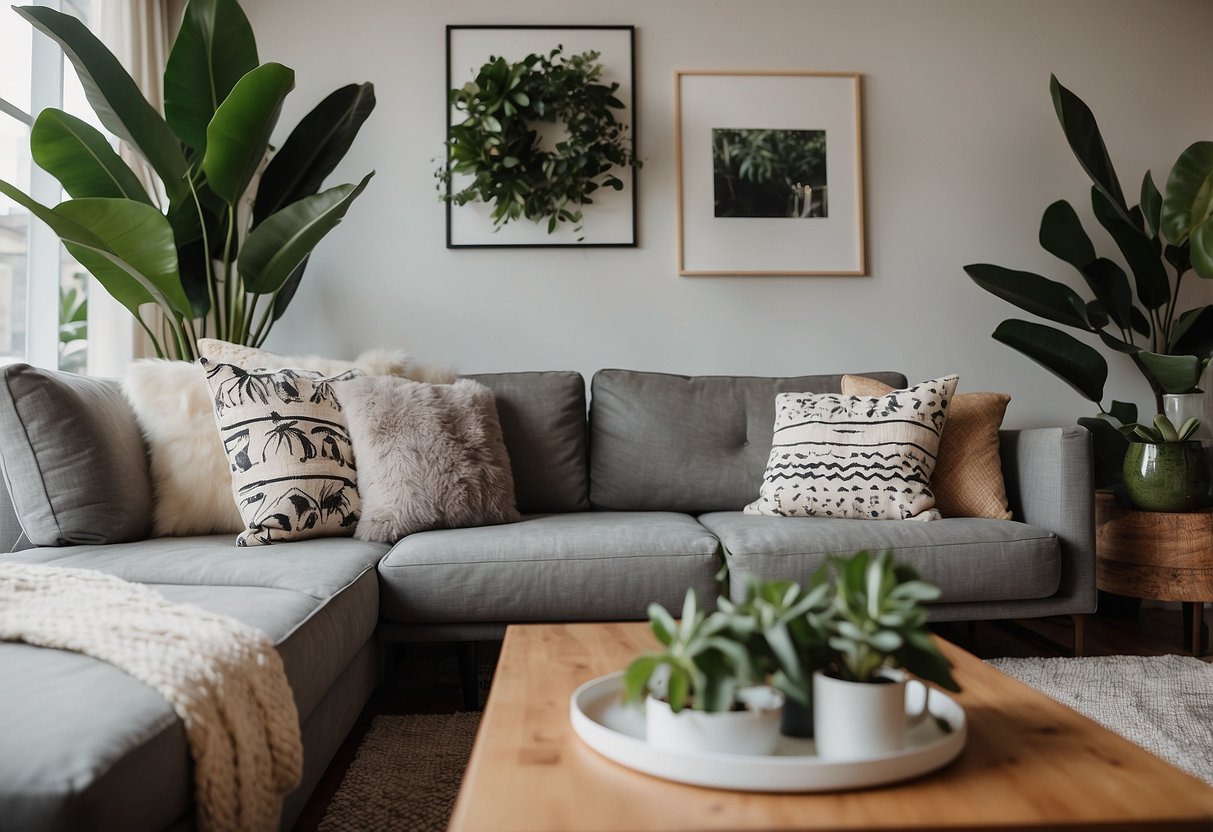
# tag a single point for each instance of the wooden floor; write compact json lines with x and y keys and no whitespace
{"x":425,"y":678}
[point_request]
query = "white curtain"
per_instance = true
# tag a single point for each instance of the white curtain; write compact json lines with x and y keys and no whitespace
{"x":139,"y":33}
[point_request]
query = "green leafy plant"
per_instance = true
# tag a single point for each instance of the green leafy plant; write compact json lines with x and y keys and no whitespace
{"x":705,"y":663}
{"x":210,"y":263}
{"x":1161,"y":239}
{"x":498,"y":146}
{"x":73,"y":329}
{"x":876,"y":621}
{"x":1162,"y":431}
{"x":782,"y":625}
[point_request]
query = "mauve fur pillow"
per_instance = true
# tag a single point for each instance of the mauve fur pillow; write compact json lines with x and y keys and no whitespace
{"x":430,"y":456}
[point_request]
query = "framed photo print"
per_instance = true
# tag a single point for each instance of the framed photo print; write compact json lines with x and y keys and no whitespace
{"x":770,"y":173}
{"x":541,"y":136}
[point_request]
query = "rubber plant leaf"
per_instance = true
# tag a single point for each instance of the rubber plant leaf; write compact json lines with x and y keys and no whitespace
{"x":1110,"y":446}
{"x":139,"y":235}
{"x":1074,"y":362}
{"x":214,"y":49}
{"x":239,"y":133}
{"x":75,"y":153}
{"x":1082,"y":133}
{"x":1110,"y":285}
{"x":1174,"y":373}
{"x":313,"y":149}
{"x":1151,"y":204}
{"x":114,"y":96}
{"x":1202,"y":249}
{"x":1062,"y":235}
{"x":283,"y":299}
{"x":1189,"y":192}
{"x":1049,"y":299}
{"x":274,"y":249}
{"x":1193,"y":332}
{"x":122,"y":279}
{"x":1141,"y":252}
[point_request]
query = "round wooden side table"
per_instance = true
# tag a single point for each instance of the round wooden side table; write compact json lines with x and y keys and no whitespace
{"x":1159,"y":555}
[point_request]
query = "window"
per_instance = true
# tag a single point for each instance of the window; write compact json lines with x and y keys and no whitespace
{"x":43,"y":291}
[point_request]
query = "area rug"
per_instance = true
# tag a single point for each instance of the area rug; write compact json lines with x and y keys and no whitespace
{"x":1162,"y":703}
{"x":406,"y":775}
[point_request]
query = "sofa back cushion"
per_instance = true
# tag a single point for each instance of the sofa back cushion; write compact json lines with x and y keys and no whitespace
{"x":543,"y":423}
{"x":661,"y":442}
{"x":74,"y":460}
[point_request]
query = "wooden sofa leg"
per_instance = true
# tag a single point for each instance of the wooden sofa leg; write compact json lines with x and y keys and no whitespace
{"x":467,"y":674}
{"x":1079,"y":623}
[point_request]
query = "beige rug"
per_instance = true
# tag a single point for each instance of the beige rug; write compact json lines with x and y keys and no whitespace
{"x":1162,"y":703}
{"x":406,"y":775}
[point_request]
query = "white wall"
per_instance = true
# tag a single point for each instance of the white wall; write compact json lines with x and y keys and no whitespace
{"x":963,"y":153}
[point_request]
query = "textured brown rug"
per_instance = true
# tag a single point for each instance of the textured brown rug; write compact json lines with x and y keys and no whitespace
{"x":406,"y":775}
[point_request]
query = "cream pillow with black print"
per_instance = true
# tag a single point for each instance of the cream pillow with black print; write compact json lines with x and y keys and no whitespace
{"x":289,"y":450}
{"x":859,"y":457}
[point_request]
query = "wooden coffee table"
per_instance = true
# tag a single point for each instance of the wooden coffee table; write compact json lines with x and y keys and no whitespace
{"x":1030,"y":763}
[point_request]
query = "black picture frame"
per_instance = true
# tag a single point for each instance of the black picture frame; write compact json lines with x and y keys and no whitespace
{"x":464,"y":230}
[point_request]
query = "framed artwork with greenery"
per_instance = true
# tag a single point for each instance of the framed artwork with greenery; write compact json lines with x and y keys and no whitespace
{"x":770,"y":173}
{"x":540,"y":136}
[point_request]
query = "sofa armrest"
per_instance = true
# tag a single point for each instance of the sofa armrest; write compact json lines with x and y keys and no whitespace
{"x":1050,"y":485}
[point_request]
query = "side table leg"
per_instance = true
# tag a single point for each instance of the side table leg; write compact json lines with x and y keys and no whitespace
{"x":1194,"y":611}
{"x":1079,"y":626}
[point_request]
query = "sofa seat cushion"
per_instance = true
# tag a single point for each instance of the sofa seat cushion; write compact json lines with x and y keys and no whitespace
{"x":88,"y":747}
{"x":968,"y":558}
{"x":562,"y":567}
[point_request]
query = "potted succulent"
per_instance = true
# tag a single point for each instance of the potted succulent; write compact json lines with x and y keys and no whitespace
{"x":782,"y":625}
{"x":702,"y":691}
{"x":876,"y":634}
{"x":1161,"y":239}
{"x":1164,"y":467}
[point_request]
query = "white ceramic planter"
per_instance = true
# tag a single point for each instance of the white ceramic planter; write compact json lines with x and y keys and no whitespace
{"x":860,"y":720}
{"x":754,"y":731}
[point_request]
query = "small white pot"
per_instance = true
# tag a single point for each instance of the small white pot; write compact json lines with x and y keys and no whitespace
{"x":754,"y":731}
{"x":859,"y":720}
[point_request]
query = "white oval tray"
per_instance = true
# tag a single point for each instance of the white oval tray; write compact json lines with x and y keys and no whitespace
{"x":617,"y":732}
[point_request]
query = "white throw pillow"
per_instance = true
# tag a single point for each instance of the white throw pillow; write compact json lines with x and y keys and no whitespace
{"x":860,"y":457}
{"x":191,"y":479}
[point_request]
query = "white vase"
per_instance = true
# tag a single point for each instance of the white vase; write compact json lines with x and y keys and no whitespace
{"x":860,"y":720}
{"x":753,"y":731}
{"x":1179,"y":407}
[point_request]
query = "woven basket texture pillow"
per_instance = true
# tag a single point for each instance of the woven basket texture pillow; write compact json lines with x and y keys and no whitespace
{"x":289,"y":451}
{"x":855,"y":457}
{"x":431,"y":456}
{"x":191,"y":479}
{"x":968,"y":476}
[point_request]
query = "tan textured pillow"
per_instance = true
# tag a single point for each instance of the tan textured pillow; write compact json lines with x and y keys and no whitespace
{"x":430,"y":456}
{"x":289,"y":450}
{"x":968,"y":475}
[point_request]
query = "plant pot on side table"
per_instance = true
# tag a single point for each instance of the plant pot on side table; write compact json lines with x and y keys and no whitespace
{"x":1160,"y":556}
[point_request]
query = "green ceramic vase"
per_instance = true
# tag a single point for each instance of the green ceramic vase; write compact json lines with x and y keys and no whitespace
{"x":1167,"y":477}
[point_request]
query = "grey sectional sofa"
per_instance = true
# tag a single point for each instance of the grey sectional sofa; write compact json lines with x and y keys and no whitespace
{"x":633,"y":505}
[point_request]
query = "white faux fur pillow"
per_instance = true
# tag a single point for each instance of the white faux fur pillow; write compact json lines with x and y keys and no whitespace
{"x":191,"y":479}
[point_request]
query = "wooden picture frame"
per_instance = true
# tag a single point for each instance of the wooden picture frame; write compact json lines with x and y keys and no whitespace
{"x":744,"y":141}
{"x":610,"y":222}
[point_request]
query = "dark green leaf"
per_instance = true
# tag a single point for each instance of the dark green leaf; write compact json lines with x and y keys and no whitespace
{"x":214,"y":49}
{"x":313,"y":149}
{"x":636,"y":677}
{"x":1193,"y":332}
{"x":1110,"y":286}
{"x":239,"y":133}
{"x":1062,"y":235}
{"x":1202,"y":249}
{"x":76,"y":154}
{"x":274,"y":249}
{"x":1109,"y":450}
{"x":1141,"y":324}
{"x":1189,"y":195}
{"x":1151,"y":204}
{"x":1032,"y":293}
{"x":1123,"y":412}
{"x":1174,"y":373}
{"x":1118,"y":344}
{"x":1141,"y":252}
{"x":1075,"y":363}
{"x":1082,"y":133}
{"x":287,"y":292}
{"x":1097,"y":315}
{"x":114,"y":96}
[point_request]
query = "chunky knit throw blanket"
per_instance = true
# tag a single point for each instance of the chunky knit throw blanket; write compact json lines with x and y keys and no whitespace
{"x":222,"y":677}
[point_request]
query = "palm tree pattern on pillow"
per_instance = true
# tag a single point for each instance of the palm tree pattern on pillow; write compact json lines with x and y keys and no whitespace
{"x":286,"y":440}
{"x":855,"y":457}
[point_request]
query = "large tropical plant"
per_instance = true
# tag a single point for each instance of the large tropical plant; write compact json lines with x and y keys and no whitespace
{"x":1161,"y":239}
{"x":214,"y":254}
